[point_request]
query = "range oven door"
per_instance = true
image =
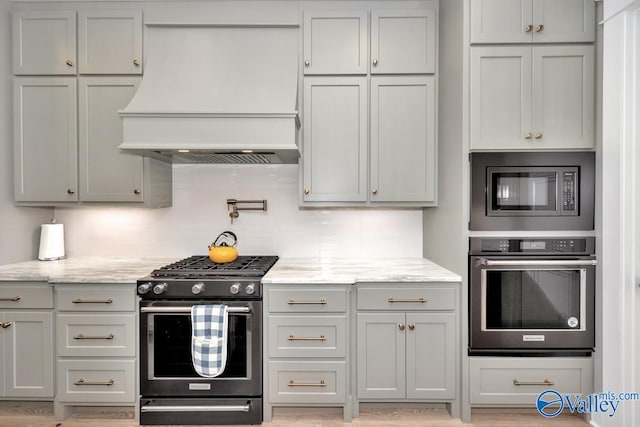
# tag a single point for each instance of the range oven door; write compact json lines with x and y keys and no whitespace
{"x":166,"y":368}
{"x":527,"y":305}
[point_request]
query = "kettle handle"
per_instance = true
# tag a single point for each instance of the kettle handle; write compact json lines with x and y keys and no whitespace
{"x":229,"y":234}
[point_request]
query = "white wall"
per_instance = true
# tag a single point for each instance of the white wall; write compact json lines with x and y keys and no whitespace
{"x":20,"y":226}
{"x":199,"y":214}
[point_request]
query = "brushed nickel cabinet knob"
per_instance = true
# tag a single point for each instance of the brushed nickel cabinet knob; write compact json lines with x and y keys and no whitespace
{"x":70,"y":191}
{"x":529,"y":135}
{"x":411,"y":326}
{"x":307,"y":63}
{"x":374,"y":191}
{"x":528,"y":28}
{"x":69,"y":62}
{"x":540,"y":28}
{"x":307,"y":191}
{"x":539,"y":135}
{"x":375,"y":62}
{"x":136,"y":191}
{"x":401,"y":327}
{"x":136,"y":62}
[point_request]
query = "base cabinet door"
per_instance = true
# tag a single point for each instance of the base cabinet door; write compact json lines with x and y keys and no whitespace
{"x":28,"y":354}
{"x":431,"y":355}
{"x":381,"y":355}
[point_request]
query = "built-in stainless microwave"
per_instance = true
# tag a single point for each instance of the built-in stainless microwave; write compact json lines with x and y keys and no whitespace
{"x":532,"y":191}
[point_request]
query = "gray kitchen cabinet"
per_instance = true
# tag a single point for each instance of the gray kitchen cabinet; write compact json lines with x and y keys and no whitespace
{"x":45,"y":139}
{"x":306,"y":357}
{"x":110,"y":42}
{"x":335,"y":165}
{"x":539,"y":97}
{"x":324,"y":31}
{"x":26,"y":340}
{"x":517,"y":381}
{"x":96,"y":350}
{"x":403,"y":139}
{"x":406,"y":342}
{"x":44,"y":42}
{"x":532,"y":21}
{"x":403,"y":41}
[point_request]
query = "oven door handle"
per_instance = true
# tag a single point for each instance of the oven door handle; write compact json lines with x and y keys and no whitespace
{"x":188,"y":309}
{"x":196,"y":408}
{"x":541,"y":262}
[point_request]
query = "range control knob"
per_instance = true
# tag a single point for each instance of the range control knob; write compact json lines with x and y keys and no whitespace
{"x":160,"y":288}
{"x":197,"y":288}
{"x":235,"y":288}
{"x":144,"y":288}
{"x":250,"y":289}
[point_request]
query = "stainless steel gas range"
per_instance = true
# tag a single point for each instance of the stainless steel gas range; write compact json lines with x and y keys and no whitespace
{"x":171,"y":390}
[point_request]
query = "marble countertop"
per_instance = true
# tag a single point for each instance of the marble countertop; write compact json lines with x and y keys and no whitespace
{"x":286,"y":270}
{"x":83,"y":270}
{"x":353,"y":270}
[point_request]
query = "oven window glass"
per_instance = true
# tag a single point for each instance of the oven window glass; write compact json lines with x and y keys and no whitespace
{"x":533,"y":299}
{"x":523,"y":191}
{"x":172,"y":347}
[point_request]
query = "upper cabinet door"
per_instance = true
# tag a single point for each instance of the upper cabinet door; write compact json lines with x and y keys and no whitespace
{"x":403,"y":41}
{"x":335,"y":139}
{"x":403,"y":148}
{"x":501,"y":21}
{"x":501,"y":97}
{"x":563,"y":21}
{"x":532,"y":21}
{"x":335,"y":42}
{"x":106,"y":175}
{"x":110,"y":42}
{"x":44,"y":42}
{"x":45,"y":141}
{"x":563,"y":96}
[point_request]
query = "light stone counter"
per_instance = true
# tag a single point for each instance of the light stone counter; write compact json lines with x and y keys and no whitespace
{"x":83,"y":270}
{"x":350,"y":271}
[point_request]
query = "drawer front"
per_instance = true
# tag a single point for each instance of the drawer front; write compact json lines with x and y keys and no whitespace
{"x":96,"y":335}
{"x":105,"y":381}
{"x":307,"y":382}
{"x":406,"y":299}
{"x":519,"y":381}
{"x":317,"y":300}
{"x":96,"y":298}
{"x":307,"y":336}
{"x":26,"y":295}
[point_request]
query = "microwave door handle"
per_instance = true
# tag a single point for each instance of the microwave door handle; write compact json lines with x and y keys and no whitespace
{"x":541,"y":262}
{"x":188,"y":309}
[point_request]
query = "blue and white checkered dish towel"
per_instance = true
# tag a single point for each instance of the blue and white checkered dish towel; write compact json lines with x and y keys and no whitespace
{"x":209,"y":339}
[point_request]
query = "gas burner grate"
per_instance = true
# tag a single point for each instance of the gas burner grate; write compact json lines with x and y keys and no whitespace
{"x":200,"y":266}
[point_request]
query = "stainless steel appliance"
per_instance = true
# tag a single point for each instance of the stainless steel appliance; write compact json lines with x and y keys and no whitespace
{"x":532,"y":191}
{"x":531,"y":295}
{"x":171,"y":390}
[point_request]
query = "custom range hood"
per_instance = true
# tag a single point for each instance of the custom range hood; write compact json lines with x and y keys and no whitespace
{"x":216,"y":94}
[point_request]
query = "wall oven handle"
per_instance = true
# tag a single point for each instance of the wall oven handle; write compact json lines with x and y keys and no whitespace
{"x":196,"y":408}
{"x":543,"y":382}
{"x":530,"y":262}
{"x":188,"y":309}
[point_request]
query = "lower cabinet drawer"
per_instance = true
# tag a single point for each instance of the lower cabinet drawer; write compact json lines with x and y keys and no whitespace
{"x":95,"y":298}
{"x":96,"y":334}
{"x":105,"y":381}
{"x":422,"y":298}
{"x":307,"y":336}
{"x":26,"y":295}
{"x":307,"y":382}
{"x":519,"y":381}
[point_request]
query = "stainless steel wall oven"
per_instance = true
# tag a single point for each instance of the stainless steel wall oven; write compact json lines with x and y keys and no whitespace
{"x":532,"y":191}
{"x":171,"y":390}
{"x":531,"y":296}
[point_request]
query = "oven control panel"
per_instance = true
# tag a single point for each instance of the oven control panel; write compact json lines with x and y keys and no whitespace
{"x":532,"y":246}
{"x":163,"y":289}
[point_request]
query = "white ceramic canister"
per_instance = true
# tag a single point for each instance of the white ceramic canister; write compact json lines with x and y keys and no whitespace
{"x":51,"y":242}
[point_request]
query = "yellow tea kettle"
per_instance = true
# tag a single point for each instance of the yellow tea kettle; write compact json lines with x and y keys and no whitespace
{"x":222,"y":252}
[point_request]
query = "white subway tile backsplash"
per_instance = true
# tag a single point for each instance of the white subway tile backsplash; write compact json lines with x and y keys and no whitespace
{"x":199,"y":214}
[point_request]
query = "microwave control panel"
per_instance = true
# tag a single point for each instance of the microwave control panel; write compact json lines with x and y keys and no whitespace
{"x":569,"y":191}
{"x":573,"y":245}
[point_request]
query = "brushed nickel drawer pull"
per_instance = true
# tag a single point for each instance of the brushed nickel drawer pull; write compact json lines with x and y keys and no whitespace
{"x":292,"y":383}
{"x":5,"y":325}
{"x":81,"y":381}
{"x":92,"y":301}
{"x":89,"y":337}
{"x":420,"y":300}
{"x":544,"y":382}
{"x":320,"y":338}
{"x":292,"y":301}
{"x":16,"y":298}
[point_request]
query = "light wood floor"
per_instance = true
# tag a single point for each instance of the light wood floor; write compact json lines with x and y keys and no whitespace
{"x":27,"y":414}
